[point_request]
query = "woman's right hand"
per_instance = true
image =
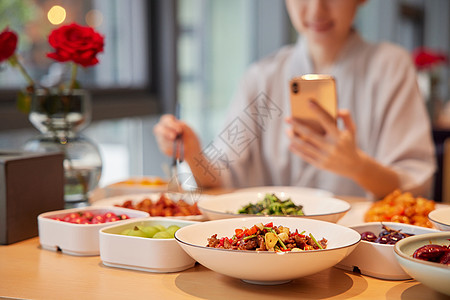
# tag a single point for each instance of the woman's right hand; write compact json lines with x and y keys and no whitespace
{"x":166,"y":131}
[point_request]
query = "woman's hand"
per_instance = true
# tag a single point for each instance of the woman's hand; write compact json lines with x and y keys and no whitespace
{"x":336,"y":150}
{"x":330,"y":149}
{"x":167,"y":130}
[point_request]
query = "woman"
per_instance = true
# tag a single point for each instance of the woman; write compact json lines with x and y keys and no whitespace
{"x":383,"y":140}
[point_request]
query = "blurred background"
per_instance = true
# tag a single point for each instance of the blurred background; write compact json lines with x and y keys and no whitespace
{"x":192,"y":52}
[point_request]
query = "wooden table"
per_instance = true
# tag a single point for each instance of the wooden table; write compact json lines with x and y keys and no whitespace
{"x":27,"y":271}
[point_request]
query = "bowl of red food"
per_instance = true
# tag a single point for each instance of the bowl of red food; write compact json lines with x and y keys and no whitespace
{"x":76,"y":231}
{"x":426,"y":258}
{"x":374,"y":256}
{"x":267,"y":250}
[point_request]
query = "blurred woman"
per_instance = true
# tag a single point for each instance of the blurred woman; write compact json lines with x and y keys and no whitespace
{"x":382,"y":140}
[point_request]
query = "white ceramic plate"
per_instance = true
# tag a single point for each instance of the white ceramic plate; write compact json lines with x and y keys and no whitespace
{"x":134,"y":185}
{"x":378,"y":260}
{"x":315,"y":207}
{"x":287,"y":189}
{"x":433,"y":275}
{"x":440,"y":218}
{"x":136,"y":198}
{"x":263,"y":267}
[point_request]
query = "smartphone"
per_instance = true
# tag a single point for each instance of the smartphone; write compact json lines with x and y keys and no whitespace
{"x":321,"y":88}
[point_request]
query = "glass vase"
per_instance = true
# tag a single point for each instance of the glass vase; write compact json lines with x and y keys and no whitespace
{"x":60,"y":117}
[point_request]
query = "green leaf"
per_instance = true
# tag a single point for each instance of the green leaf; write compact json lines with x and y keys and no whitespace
{"x":23,"y":102}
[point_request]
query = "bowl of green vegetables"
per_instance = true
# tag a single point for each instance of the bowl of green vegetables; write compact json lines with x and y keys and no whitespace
{"x":290,"y":204}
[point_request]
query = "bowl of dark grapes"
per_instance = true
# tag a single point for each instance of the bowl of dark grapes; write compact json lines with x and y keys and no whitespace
{"x":374,"y":256}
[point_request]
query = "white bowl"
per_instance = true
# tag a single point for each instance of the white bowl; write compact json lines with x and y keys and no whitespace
{"x":76,"y":239}
{"x":440,"y":218}
{"x":314,"y":207}
{"x":263,"y":267}
{"x":378,"y":260}
{"x":143,"y":254}
{"x":433,"y":275}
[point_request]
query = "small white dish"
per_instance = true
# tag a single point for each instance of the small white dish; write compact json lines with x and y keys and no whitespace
{"x":263,"y":267}
{"x":314,"y":207}
{"x":434,"y":275}
{"x":143,"y":254}
{"x":136,"y":185}
{"x":77,"y":239}
{"x":440,"y":218}
{"x":378,"y":260}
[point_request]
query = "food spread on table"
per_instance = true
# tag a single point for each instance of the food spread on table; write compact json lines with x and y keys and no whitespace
{"x":268,"y":238}
{"x":401,"y":207}
{"x":163,"y":207}
{"x":272,"y":205}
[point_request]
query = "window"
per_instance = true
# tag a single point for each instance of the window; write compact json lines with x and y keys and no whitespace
{"x":121,"y":83}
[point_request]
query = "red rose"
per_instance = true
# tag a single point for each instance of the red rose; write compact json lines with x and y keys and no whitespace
{"x":425,"y":58}
{"x":8,"y":43}
{"x":76,"y":43}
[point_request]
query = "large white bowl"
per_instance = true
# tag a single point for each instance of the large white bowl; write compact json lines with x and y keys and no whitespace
{"x":264,"y":267}
{"x":314,"y":207}
{"x":440,"y":218}
{"x":433,"y":275}
{"x":378,"y":260}
{"x":143,"y":254}
{"x":76,"y":239}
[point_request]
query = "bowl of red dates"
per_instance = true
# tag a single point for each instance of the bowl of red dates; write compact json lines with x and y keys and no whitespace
{"x":76,"y":231}
{"x":374,"y":256}
{"x":426,"y":258}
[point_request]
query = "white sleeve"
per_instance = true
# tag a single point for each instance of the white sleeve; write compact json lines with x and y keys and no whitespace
{"x":405,"y":142}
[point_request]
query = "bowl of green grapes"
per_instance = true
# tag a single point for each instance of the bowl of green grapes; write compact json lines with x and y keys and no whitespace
{"x":145,"y":245}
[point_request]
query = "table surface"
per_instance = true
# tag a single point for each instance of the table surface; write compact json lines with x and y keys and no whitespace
{"x":27,"y":271}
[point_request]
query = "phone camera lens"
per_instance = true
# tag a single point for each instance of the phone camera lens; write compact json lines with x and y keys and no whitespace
{"x":295,"y":88}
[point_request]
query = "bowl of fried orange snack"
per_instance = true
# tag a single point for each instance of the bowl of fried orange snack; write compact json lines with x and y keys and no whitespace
{"x":401,"y":207}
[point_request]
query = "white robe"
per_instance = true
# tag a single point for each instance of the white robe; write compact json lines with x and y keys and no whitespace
{"x":375,"y":82}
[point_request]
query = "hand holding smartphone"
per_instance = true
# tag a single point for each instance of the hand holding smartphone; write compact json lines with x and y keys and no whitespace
{"x":317,"y":87}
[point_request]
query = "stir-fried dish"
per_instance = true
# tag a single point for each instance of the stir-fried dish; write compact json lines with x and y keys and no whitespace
{"x":268,"y":238}
{"x":272,"y":205}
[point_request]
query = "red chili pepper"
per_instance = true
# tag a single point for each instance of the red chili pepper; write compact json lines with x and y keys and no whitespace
{"x":251,"y":231}
{"x":269,"y":224}
{"x":221,"y":241}
{"x":239,"y":233}
{"x":285,"y":250}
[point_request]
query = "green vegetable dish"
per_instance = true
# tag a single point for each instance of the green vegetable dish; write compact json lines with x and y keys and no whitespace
{"x":272,"y":205}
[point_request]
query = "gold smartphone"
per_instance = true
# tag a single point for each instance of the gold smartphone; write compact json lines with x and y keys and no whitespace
{"x":321,"y":88}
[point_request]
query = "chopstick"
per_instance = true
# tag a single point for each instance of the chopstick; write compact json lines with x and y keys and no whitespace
{"x":178,"y":150}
